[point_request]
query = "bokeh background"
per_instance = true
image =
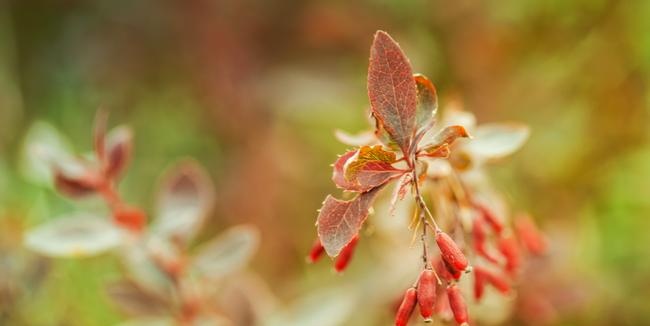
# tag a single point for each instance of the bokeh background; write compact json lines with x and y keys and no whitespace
{"x":254,"y":89}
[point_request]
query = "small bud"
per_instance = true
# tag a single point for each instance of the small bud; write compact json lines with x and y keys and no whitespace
{"x":450,"y":251}
{"x":509,"y":249}
{"x":405,"y":309}
{"x":130,"y":218}
{"x":457,"y":305}
{"x":346,"y":254}
{"x":530,"y":236}
{"x":427,"y":293}
{"x":317,"y":251}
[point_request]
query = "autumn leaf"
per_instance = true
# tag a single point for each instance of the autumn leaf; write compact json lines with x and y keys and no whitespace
{"x":444,"y":138}
{"x":427,"y":102}
{"x":392,"y":89}
{"x":368,"y":155}
{"x":338,"y":175}
{"x":339,"y":221}
{"x":364,"y":169}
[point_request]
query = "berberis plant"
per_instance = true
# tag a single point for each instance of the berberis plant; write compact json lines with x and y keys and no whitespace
{"x":167,"y":281}
{"x":445,"y":164}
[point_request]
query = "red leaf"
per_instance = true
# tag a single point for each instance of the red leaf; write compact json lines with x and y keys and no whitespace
{"x":392,"y":90}
{"x":339,"y":221}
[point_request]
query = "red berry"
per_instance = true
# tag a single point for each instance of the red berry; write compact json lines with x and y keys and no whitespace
{"x":510,"y":250}
{"x":450,"y":251}
{"x":457,"y":305}
{"x":491,"y":218}
{"x":405,"y":309}
{"x":479,"y":240}
{"x":483,"y":275}
{"x":529,"y":235}
{"x":427,"y":293}
{"x":346,"y":254}
{"x":317,"y":251}
{"x":479,"y":283}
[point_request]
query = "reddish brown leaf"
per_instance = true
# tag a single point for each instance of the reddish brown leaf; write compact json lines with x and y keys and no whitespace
{"x":118,"y":151}
{"x":427,"y":102}
{"x":75,"y":179}
{"x":339,"y":221}
{"x":400,"y":191}
{"x":392,"y":89}
{"x":338,"y":175}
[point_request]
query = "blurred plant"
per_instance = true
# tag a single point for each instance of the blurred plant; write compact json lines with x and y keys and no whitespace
{"x":406,"y":148}
{"x":167,"y":282}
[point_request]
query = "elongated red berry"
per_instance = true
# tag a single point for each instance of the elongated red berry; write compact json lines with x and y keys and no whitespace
{"x":450,"y":251}
{"x":531,"y":238}
{"x":490,"y":218}
{"x":483,"y":275}
{"x":346,"y":254}
{"x":445,"y":271}
{"x":427,"y":293}
{"x":479,"y":238}
{"x":405,"y":309}
{"x":457,"y":305}
{"x":317,"y":251}
{"x":509,"y":249}
{"x":499,"y":282}
{"x":442,"y":308}
{"x":479,"y":283}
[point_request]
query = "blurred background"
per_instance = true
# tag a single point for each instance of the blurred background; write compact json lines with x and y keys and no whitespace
{"x":254,"y":90}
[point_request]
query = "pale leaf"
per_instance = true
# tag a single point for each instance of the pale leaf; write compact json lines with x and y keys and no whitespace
{"x":79,"y":235}
{"x":228,"y":253}
{"x":496,"y":140}
{"x":185,"y":198}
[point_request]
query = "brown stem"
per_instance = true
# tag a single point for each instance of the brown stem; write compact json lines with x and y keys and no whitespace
{"x":423,"y":210}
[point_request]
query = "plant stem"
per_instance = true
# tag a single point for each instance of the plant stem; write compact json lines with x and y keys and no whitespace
{"x":423,"y":220}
